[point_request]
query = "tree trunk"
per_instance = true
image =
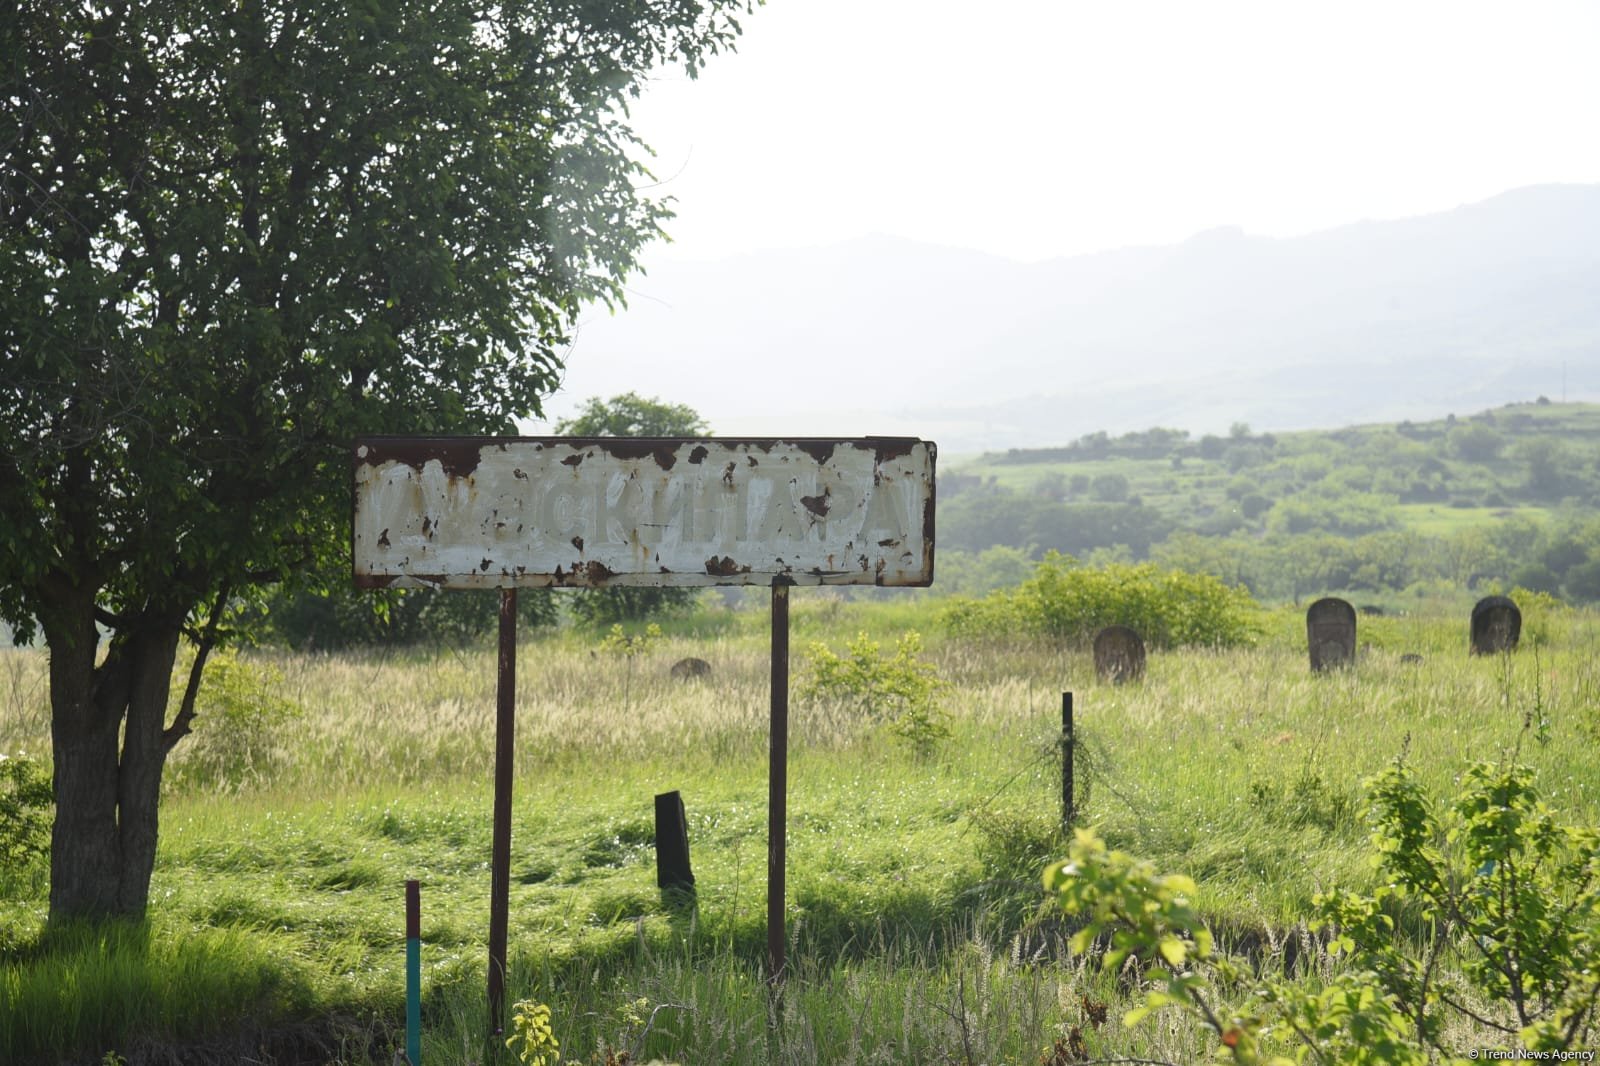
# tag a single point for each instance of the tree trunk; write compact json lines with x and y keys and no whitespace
{"x":103,"y":846}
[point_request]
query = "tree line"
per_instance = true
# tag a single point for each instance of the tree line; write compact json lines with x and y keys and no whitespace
{"x":1506,"y":497}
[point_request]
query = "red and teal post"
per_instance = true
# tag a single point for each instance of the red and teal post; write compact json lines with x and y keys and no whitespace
{"x":414,"y":973}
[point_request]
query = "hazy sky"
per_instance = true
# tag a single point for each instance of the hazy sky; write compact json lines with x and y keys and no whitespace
{"x":1033,"y":129}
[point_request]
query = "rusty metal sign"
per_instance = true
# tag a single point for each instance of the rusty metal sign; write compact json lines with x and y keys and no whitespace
{"x":540,"y":511}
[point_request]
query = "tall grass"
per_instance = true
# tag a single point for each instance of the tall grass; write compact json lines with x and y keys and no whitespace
{"x":913,"y":882}
{"x":92,"y":986}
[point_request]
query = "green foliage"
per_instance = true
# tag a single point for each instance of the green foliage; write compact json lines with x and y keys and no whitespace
{"x":1153,"y":443}
{"x":1552,"y":468}
{"x":340,"y":616}
{"x":628,"y":647}
{"x":1475,"y":442}
{"x":975,"y":521}
{"x":1150,"y":919}
{"x":239,"y":725}
{"x":632,"y":415}
{"x":260,"y":284}
{"x":88,"y":986}
{"x":1372,"y":508}
{"x":1254,"y":505}
{"x":963,"y":573}
{"x":1490,"y":902}
{"x":1536,"y":577}
{"x":1063,"y":600}
{"x":895,"y":870}
{"x":1012,"y":846}
{"x":236,"y":236}
{"x":1110,"y":488}
{"x":901,"y":690}
{"x":1307,"y":800}
{"x":619,"y":642}
{"x":26,"y":803}
{"x":1350,"y":514}
{"x":1499,"y":888}
{"x":606,"y":607}
{"x":1583,"y":581}
{"x":532,"y":1039}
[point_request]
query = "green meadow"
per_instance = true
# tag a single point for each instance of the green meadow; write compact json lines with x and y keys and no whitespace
{"x":322,"y":783}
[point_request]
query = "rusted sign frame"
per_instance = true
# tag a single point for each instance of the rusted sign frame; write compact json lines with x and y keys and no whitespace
{"x":458,"y":459}
{"x":589,"y":512}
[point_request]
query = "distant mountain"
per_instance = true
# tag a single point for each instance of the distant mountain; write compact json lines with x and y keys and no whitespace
{"x":1376,"y":321}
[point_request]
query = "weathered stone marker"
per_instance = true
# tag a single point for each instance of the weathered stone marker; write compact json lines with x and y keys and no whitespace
{"x":690,"y":668}
{"x":1331,"y":633}
{"x":1118,"y":655}
{"x":1496,"y":625}
{"x":672,"y":845}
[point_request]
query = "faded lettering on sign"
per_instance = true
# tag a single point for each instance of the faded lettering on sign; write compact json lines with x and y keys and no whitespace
{"x":561,"y":511}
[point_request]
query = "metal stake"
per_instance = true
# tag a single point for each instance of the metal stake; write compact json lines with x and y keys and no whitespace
{"x":1069,"y":810}
{"x":777,"y":784}
{"x":500,"y":850}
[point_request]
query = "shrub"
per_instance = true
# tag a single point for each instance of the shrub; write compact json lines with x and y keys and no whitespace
{"x":1110,"y":488}
{"x":1069,"y":602}
{"x":239,"y":717}
{"x":342,"y":616}
{"x":1583,"y":581}
{"x":902,"y":691}
{"x":1254,"y":505}
{"x":533,"y":1039}
{"x":600,"y":608}
{"x":1489,"y":902}
{"x":26,"y":810}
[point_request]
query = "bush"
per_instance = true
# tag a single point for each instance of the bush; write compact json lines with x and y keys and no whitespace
{"x":1537,"y":577}
{"x":1349,"y":515}
{"x":1065,"y":601}
{"x":1475,"y":443}
{"x":603,"y":608}
{"x":1488,"y":901}
{"x":26,"y":811}
{"x":343,"y":616}
{"x":1110,"y":488}
{"x":902,"y":691}
{"x":1583,"y":582}
{"x":239,"y":717}
{"x":1254,"y":505}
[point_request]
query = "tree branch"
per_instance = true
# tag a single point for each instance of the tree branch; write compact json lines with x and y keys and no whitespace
{"x":180,"y":726}
{"x":1480,"y":1019}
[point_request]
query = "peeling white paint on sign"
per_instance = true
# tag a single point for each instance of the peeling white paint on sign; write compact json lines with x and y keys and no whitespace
{"x":506,"y":512}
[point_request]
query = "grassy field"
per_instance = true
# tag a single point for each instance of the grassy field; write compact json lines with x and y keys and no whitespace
{"x":1188,"y":481}
{"x":276,"y":932}
{"x":1441,"y":520}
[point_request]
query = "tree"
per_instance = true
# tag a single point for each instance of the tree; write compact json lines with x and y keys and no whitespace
{"x":1550,"y":465}
{"x":341,"y":616}
{"x":1475,"y":442}
{"x":1583,"y":582}
{"x":1110,"y":488}
{"x":233,"y":237}
{"x":630,"y":415}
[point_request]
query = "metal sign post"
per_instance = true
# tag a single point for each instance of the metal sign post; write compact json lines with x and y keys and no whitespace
{"x":778,"y":785}
{"x":505,"y":727}
{"x":593,"y":512}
